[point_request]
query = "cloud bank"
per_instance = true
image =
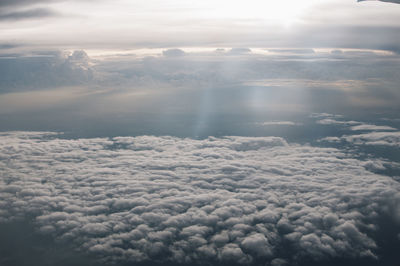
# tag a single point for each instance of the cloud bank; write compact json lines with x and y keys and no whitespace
{"x":227,"y":200}
{"x":45,"y":69}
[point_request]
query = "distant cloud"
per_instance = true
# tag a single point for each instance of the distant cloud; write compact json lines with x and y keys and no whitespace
{"x":329,"y":121}
{"x":8,"y":45}
{"x":44,"y":69}
{"x":375,"y":138}
{"x":240,"y":50}
{"x":368,"y":127}
{"x":4,"y":3}
{"x":278,"y":123}
{"x":293,"y":51}
{"x":173,"y":53}
{"x":229,"y":200}
{"x":27,"y":14}
{"x":325,"y":115}
{"x":381,"y":135}
{"x":355,"y":125}
{"x":389,"y":1}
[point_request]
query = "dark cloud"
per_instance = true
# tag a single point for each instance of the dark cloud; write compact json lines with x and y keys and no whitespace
{"x":238,"y":200}
{"x":27,"y":14}
{"x":14,"y":3}
{"x":388,"y":1}
{"x":173,"y":53}
{"x":4,"y":46}
{"x":44,"y":69}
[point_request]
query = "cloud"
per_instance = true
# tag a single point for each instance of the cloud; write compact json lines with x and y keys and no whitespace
{"x":240,"y":50}
{"x":203,"y":85}
{"x":375,"y":138}
{"x":21,"y":2}
{"x":205,"y":28}
{"x":180,"y":200}
{"x":278,"y":123}
{"x":372,"y":138}
{"x":368,"y":127}
{"x":355,"y":125}
{"x":329,"y":121}
{"x":389,"y":1}
{"x":4,"y":46}
{"x":293,"y":51}
{"x":27,"y":14}
{"x":24,"y":2}
{"x":381,"y":135}
{"x":46,"y":69}
{"x":173,"y":53}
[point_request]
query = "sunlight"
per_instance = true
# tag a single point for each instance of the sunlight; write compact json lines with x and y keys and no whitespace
{"x":285,"y":12}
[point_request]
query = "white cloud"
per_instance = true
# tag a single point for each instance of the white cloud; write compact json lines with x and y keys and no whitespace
{"x":220,"y":199}
{"x":367,"y":127}
{"x":278,"y":123}
{"x":375,"y":138}
{"x":330,"y":121}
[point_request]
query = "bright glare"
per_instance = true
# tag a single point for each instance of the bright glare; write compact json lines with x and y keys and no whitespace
{"x":276,"y":11}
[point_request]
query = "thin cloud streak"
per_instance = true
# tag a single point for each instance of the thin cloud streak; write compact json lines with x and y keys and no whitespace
{"x":36,"y":13}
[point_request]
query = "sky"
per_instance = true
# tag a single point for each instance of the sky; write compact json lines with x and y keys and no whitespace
{"x":206,"y":132}
{"x":127,"y":25}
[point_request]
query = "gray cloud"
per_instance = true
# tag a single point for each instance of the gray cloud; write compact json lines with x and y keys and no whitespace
{"x":18,"y":2}
{"x":279,"y":123}
{"x":173,"y":53}
{"x":348,"y":23}
{"x":203,"y":86}
{"x":41,"y":70}
{"x":232,"y":199}
{"x":240,"y":50}
{"x":8,"y":45}
{"x":27,"y":14}
{"x":24,"y":3}
{"x":389,"y":1}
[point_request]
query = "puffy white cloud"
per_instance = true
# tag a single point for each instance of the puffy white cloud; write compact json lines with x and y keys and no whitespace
{"x":232,"y":199}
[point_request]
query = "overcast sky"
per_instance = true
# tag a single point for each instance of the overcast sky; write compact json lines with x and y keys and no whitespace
{"x":124,"y":24}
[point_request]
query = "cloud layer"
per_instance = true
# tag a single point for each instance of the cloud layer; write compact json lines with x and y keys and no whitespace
{"x":234,"y":199}
{"x":376,"y":135}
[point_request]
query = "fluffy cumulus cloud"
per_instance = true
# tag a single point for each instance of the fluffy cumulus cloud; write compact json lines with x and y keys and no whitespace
{"x":230,"y":200}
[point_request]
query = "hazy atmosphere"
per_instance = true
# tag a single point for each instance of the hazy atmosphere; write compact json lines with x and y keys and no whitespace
{"x":206,"y":132}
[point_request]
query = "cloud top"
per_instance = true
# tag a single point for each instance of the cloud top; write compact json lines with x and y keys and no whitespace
{"x":233,"y":199}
